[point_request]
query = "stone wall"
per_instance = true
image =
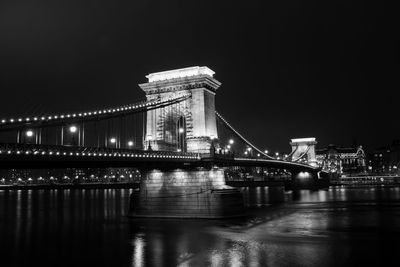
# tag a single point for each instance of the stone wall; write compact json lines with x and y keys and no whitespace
{"x":186,"y":194}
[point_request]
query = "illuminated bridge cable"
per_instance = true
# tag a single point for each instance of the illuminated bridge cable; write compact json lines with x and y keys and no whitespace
{"x":241,"y":137}
{"x":101,"y":114}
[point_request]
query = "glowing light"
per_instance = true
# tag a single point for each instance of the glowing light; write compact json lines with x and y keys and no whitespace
{"x":130,"y":143}
{"x":181,"y":130}
{"x":249,"y":149}
{"x":73,"y":129}
{"x":231,"y":141}
{"x":29,"y":133}
{"x":113,"y":140}
{"x":228,"y":146}
{"x":266,"y":151}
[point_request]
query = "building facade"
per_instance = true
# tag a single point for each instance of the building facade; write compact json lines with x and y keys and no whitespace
{"x":342,"y":161}
{"x":385,"y":159}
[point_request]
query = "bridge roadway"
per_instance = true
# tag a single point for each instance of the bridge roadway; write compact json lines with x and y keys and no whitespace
{"x":32,"y":156}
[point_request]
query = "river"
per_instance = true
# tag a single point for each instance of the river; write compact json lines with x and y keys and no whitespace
{"x":339,"y":226}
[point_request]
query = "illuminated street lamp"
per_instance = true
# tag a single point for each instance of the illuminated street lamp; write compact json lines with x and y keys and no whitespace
{"x":181,"y":139}
{"x":29,"y":133}
{"x":149,"y":138}
{"x":231,"y":141}
{"x":130,"y":143}
{"x":266,"y":151}
{"x":73,"y":129}
{"x":212,"y":147}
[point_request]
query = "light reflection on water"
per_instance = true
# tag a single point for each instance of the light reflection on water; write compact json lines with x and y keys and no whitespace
{"x":330,"y":227}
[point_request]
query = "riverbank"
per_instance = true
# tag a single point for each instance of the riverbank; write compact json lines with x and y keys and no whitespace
{"x":70,"y":186}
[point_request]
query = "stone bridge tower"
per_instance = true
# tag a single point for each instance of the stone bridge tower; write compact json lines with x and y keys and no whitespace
{"x":305,"y":148}
{"x":189,"y":125}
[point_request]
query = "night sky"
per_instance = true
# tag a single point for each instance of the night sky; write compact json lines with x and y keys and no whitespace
{"x":288,"y":68}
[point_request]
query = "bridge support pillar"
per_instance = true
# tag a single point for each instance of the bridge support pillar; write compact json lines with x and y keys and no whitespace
{"x":197,"y":113}
{"x":304,"y":149}
{"x":307,"y":180}
{"x":181,"y":193}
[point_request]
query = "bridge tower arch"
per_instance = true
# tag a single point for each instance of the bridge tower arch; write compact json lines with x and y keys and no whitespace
{"x":194,"y":116}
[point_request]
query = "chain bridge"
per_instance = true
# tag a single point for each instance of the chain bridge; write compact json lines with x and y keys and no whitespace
{"x":184,"y":147}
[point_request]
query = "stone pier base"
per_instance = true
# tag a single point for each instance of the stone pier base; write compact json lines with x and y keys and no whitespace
{"x":186,"y":194}
{"x":306,"y":180}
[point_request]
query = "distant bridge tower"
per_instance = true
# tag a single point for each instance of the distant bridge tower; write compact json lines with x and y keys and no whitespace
{"x":304,"y":148}
{"x":189,"y":125}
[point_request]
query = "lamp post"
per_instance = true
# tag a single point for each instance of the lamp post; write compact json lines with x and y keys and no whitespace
{"x":249,"y":151}
{"x":28,"y":135}
{"x":212,"y":147}
{"x":149,"y":138}
{"x":113,"y":141}
{"x":231,"y":142}
{"x":73,"y":129}
{"x":181,"y":141}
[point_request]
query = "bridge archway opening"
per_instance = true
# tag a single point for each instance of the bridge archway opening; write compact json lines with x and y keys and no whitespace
{"x":175,"y":132}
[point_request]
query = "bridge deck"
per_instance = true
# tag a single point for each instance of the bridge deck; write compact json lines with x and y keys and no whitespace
{"x":51,"y":156}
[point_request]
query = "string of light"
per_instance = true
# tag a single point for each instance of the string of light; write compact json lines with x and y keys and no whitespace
{"x":89,"y":114}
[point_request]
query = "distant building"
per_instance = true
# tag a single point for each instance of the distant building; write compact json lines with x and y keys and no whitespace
{"x":386,"y":159}
{"x":340,"y":160}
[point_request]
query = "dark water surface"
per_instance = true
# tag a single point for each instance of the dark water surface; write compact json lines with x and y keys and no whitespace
{"x":333,"y":227}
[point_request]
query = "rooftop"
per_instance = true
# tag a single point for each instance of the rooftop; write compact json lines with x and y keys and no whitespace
{"x":303,"y":140}
{"x":179,"y":73}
